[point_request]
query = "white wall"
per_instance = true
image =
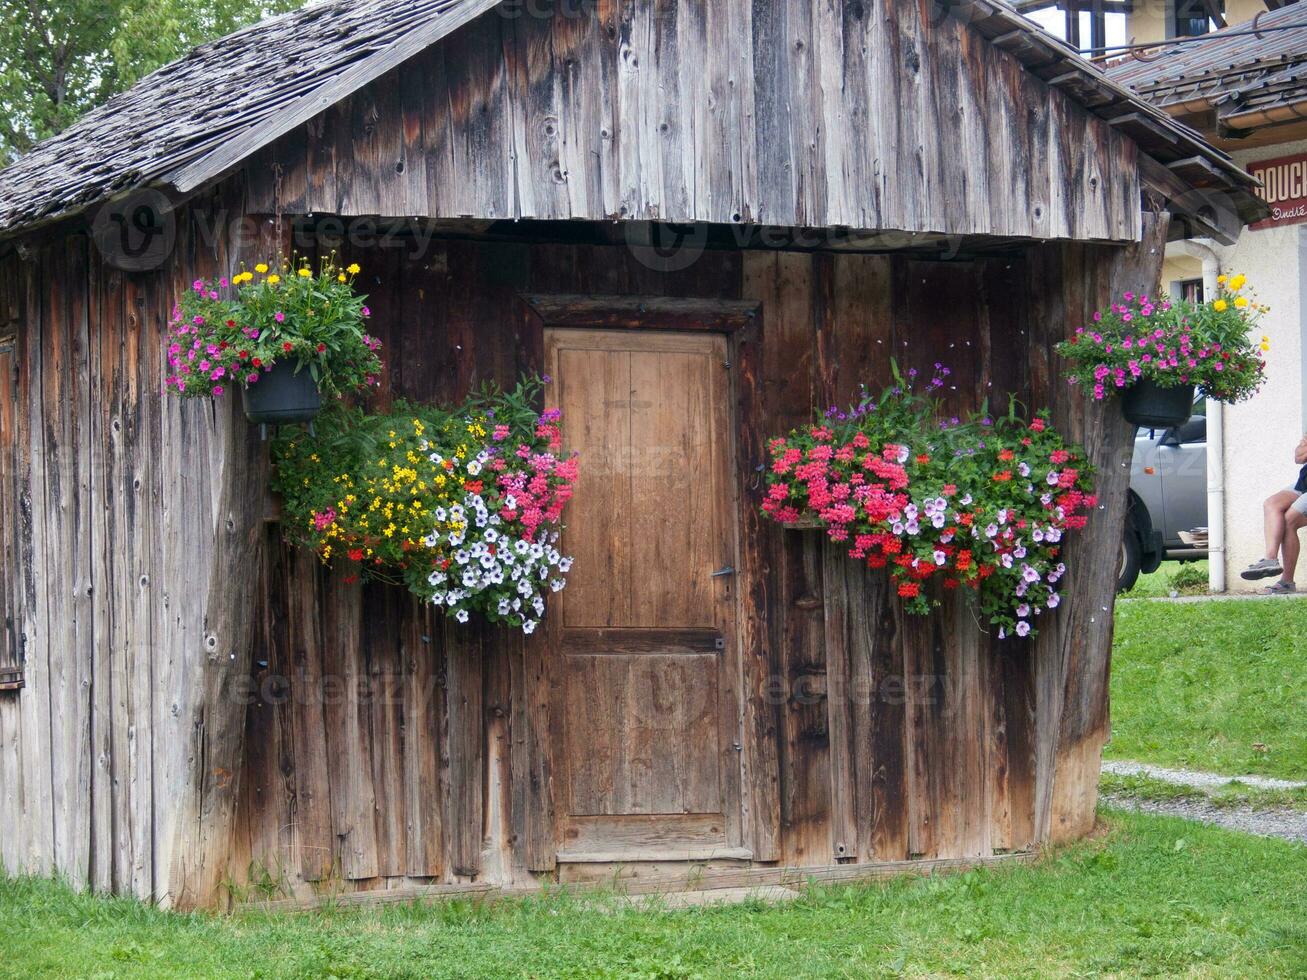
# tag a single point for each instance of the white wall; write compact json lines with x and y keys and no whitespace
{"x":1260,"y":434}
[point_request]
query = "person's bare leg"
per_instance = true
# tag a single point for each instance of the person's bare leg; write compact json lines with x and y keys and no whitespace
{"x":1273,"y":511}
{"x":1293,"y":523}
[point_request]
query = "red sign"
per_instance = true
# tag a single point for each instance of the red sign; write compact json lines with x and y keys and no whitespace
{"x":1284,"y":188}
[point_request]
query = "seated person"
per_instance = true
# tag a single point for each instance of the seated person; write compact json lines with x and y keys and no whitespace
{"x":1286,"y":515}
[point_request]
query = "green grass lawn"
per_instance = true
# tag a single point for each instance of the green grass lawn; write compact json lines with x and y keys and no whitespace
{"x":1153,"y":896}
{"x":1220,"y":686}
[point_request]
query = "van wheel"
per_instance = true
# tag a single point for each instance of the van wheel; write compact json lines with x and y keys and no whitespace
{"x":1131,"y":560}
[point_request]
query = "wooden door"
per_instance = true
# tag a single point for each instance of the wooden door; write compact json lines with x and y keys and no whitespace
{"x":644,"y":659}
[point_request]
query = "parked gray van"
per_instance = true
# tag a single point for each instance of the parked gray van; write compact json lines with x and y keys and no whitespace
{"x":1168,"y":495}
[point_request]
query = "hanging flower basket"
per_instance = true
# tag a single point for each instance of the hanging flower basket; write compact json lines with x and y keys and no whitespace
{"x":981,"y":504}
{"x":463,"y":504}
{"x":1156,"y":353}
{"x":284,"y":336}
{"x":282,"y":395}
{"x":1151,"y":406}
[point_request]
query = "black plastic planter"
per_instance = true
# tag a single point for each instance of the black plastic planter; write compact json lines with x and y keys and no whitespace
{"x":283,"y":396}
{"x":1151,"y":406}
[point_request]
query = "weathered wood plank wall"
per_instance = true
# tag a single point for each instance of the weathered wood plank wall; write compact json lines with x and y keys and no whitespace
{"x":114,"y":502}
{"x":846,"y":762}
{"x":876,"y":735}
{"x":871,"y":735}
{"x":884,"y":114}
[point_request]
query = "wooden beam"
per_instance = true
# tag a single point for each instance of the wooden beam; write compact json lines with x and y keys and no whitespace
{"x":636,"y":312}
{"x":212,"y":723}
{"x":1072,"y":653}
{"x":1210,"y":214}
{"x":692,"y":879}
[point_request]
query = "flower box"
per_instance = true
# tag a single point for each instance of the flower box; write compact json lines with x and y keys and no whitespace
{"x":810,"y":523}
{"x":286,"y":337}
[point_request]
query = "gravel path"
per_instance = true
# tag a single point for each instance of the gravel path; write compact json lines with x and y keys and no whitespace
{"x":1283,"y":822}
{"x":1288,"y":824}
{"x":1193,"y":777}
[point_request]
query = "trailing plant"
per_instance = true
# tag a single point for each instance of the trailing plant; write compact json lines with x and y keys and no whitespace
{"x":460,"y":504}
{"x":1171,"y":343}
{"x":982,"y":503}
{"x":229,"y":332}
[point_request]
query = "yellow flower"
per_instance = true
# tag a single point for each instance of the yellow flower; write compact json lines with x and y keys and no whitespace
{"x":1222,"y":280}
{"x":1237,"y":283}
{"x":304,"y":273}
{"x":341,"y":277}
{"x":1265,"y":347}
{"x":1241,"y":302}
{"x":1220,"y":306}
{"x":274,"y":279}
{"x":353,"y":269}
{"x":261,"y":268}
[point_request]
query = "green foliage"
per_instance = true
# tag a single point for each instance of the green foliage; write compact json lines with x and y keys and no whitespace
{"x":60,"y":58}
{"x":1188,"y":578}
{"x":1154,"y":897}
{"x":1191,"y":575}
{"x":1217,"y":686}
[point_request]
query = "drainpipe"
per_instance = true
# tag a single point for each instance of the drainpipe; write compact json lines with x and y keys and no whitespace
{"x":1203,"y":249}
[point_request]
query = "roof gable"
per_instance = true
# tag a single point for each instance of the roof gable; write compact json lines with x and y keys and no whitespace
{"x":194,"y":120}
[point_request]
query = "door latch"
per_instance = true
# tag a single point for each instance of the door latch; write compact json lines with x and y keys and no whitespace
{"x":723,"y":572}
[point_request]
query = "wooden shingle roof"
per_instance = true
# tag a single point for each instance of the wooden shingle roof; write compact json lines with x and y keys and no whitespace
{"x":1239,"y":71}
{"x":227,"y":97}
{"x":196,"y":119}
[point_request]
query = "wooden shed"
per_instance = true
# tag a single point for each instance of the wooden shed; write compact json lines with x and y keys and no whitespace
{"x":704,"y":218}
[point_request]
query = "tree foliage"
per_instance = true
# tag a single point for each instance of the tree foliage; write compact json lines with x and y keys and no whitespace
{"x":60,"y":58}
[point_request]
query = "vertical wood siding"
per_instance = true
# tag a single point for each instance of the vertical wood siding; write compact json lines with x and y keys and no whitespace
{"x":874,"y":735}
{"x":117,"y":506}
{"x":381,"y":744}
{"x":877,"y":114}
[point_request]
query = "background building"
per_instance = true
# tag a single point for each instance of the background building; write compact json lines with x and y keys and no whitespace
{"x":1237,"y":73}
{"x":1244,"y":86}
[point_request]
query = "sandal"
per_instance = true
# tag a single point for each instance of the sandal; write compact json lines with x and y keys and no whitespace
{"x":1280,"y":588}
